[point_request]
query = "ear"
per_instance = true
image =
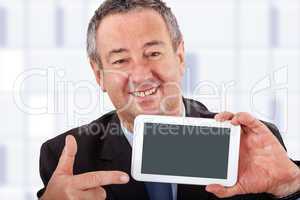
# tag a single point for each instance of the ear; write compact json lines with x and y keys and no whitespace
{"x":98,"y":73}
{"x":181,"y":57}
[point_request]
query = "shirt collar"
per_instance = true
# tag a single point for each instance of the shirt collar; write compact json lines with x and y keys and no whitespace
{"x":129,"y":135}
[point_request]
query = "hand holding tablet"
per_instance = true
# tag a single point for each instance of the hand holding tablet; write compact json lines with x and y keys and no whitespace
{"x":264,"y":166}
{"x":185,"y":150}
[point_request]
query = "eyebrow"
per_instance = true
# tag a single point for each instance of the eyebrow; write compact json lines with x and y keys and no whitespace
{"x":116,"y":51}
{"x":154,"y":43}
{"x":122,"y":50}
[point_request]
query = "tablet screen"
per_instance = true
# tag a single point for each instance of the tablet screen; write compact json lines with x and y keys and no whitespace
{"x":181,"y":150}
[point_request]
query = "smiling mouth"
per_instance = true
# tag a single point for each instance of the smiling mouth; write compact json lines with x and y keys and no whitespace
{"x":145,"y":93}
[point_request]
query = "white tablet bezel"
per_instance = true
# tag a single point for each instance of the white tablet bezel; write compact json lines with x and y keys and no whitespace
{"x":138,"y":136}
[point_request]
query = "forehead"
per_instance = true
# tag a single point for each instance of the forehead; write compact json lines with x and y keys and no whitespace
{"x":132,"y":28}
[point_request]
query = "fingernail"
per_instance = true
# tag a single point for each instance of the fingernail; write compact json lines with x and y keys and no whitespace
{"x":208,"y":189}
{"x":66,"y":144}
{"x":124,"y":178}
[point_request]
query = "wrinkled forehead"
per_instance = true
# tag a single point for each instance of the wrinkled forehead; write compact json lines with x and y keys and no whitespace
{"x":134,"y":27}
{"x":124,"y":15}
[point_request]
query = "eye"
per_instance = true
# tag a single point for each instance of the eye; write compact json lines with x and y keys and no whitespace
{"x":121,"y":61}
{"x":155,"y":54}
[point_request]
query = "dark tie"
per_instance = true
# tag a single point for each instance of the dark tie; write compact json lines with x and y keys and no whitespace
{"x":159,"y":191}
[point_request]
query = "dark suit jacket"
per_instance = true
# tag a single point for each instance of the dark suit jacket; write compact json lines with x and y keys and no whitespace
{"x":103,"y":146}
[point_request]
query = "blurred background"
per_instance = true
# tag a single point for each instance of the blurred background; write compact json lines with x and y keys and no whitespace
{"x":241,"y":56}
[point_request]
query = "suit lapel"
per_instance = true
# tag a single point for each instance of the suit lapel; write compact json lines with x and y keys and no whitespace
{"x":196,"y":109}
{"x":115,"y":154}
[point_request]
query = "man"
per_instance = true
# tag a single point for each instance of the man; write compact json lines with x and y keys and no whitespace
{"x":136,"y":51}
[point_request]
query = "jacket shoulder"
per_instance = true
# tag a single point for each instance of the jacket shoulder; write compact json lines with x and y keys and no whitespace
{"x":83,"y":134}
{"x":197,"y":109}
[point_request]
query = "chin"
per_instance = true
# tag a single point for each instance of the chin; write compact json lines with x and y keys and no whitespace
{"x":148,"y":111}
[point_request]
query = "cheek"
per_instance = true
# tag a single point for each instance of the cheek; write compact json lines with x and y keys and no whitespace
{"x":169,"y":75}
{"x":169,"y":71}
{"x":116,"y":84}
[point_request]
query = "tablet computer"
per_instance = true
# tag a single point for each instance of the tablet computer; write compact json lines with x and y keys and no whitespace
{"x":185,"y":150}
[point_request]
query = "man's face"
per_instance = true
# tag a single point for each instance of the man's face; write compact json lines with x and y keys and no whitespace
{"x":141,"y":71}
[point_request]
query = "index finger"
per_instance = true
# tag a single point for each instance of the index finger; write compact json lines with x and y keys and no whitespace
{"x":99,"y":178}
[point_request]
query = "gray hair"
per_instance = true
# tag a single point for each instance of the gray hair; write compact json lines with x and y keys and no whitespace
{"x":110,"y":7}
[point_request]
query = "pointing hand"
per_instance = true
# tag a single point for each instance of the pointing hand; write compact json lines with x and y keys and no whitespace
{"x":66,"y":186}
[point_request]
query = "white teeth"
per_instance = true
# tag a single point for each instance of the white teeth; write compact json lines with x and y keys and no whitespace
{"x":145,"y":93}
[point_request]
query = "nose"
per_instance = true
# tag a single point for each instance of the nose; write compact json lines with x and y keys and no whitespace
{"x":140,"y":72}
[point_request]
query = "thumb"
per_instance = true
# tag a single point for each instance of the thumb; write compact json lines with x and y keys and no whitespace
{"x":224,"y":116}
{"x":66,"y":160}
